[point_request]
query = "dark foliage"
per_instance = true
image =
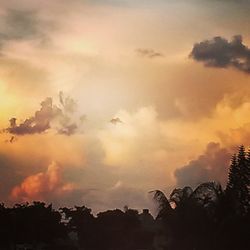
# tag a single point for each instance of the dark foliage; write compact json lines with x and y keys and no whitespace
{"x":206,"y":218}
{"x":30,"y":224}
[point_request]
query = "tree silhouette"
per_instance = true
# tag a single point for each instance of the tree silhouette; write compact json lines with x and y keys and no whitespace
{"x":81,"y":220}
{"x":209,"y":217}
{"x":204,"y":218}
{"x":238,"y":186}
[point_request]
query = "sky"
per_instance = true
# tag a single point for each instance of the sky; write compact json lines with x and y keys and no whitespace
{"x":103,"y":101}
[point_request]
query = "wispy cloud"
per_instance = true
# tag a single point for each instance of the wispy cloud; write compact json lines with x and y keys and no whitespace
{"x":149,"y":53}
{"x":21,"y":25}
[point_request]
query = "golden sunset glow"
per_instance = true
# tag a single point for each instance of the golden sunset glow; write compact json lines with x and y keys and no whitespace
{"x":110,"y":98}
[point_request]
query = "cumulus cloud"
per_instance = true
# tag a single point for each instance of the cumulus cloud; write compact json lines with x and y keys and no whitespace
{"x":139,"y":145}
{"x":119,"y":141}
{"x":211,"y":165}
{"x":38,"y":123}
{"x":221,"y":53}
{"x":148,"y":53}
{"x":42,"y":186}
{"x":48,"y":114}
{"x":50,"y":186}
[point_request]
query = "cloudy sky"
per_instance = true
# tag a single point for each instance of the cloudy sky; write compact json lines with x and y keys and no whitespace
{"x":105,"y":100}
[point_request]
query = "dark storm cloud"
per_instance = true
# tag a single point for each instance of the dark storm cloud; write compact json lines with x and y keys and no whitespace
{"x":149,"y":53}
{"x":221,"y":53}
{"x":38,"y":123}
{"x":48,"y":114}
{"x":211,"y":165}
{"x":19,"y":25}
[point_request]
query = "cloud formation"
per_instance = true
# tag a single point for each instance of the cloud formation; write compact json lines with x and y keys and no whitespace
{"x":149,"y":53}
{"x":42,"y":185}
{"x":211,"y":165}
{"x":48,"y":114}
{"x":38,"y":123}
{"x":221,"y":53}
{"x":19,"y":25}
{"x":51,"y":186}
{"x":115,"y":120}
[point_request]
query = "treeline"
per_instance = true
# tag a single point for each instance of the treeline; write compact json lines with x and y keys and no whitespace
{"x":206,"y":218}
{"x":38,"y":226}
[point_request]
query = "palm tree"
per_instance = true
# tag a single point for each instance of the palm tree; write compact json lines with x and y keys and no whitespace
{"x":164,"y":207}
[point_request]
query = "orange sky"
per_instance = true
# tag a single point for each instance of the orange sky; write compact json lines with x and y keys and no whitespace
{"x":105,"y":59}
